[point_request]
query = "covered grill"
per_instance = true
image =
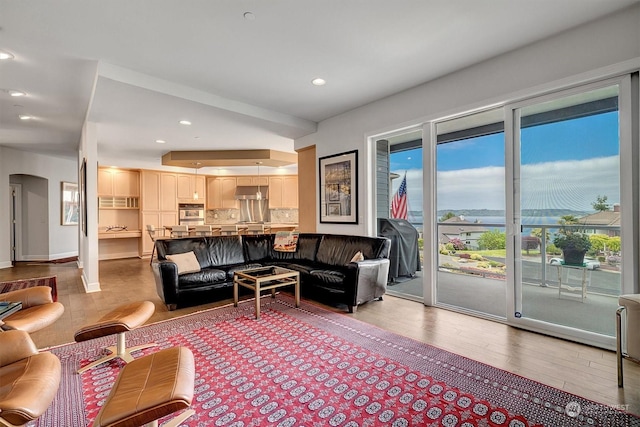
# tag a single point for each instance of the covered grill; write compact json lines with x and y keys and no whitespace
{"x":404,"y":254}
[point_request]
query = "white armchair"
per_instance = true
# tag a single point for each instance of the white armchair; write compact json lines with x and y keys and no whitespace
{"x":627,"y":338}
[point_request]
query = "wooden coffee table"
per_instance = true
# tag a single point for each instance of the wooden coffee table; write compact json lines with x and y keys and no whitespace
{"x":263,"y":278}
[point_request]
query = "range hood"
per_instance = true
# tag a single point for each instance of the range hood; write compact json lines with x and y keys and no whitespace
{"x":248,"y":192}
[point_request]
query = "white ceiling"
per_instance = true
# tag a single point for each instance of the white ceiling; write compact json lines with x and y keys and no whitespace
{"x":138,"y":67}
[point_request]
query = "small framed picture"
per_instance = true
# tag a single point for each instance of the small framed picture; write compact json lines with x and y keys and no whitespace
{"x":70,"y":203}
{"x":333,"y":209}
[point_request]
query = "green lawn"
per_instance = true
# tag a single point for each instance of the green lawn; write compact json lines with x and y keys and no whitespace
{"x":501,"y":253}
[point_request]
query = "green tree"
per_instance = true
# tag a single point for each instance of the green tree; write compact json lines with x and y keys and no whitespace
{"x":600,"y":204}
{"x":446,"y":216}
{"x":613,"y":244}
{"x":530,"y":243}
{"x":599,"y":242}
{"x":537,"y":232}
{"x":568,"y":219}
{"x":493,"y":239}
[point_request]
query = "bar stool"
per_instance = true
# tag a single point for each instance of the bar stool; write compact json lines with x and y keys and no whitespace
{"x":154,"y":234}
{"x":255,"y":229}
{"x":202,"y":230}
{"x":229,"y":230}
{"x":180,"y":231}
{"x":628,"y":335}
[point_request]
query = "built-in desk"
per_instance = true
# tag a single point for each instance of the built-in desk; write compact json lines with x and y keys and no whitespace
{"x":119,"y":244}
{"x":120,"y":234}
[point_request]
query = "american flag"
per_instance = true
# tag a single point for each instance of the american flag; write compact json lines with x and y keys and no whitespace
{"x":399,"y":202}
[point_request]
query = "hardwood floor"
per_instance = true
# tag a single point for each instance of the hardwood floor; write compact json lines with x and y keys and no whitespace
{"x":586,"y":371}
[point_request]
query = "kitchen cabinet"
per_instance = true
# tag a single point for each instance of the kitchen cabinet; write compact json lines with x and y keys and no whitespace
{"x":159,"y":191}
{"x":168,"y":192}
{"x":150,"y":190}
{"x":118,"y":182}
{"x":252,"y":180}
{"x":290,"y":192}
{"x":283,"y":192}
{"x":187,"y":185}
{"x":221,"y":192}
{"x":159,"y":205}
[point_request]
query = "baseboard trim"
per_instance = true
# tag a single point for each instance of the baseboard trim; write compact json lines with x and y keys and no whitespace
{"x":90,"y":287}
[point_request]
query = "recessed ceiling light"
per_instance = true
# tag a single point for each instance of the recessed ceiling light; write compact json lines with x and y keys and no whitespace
{"x":318,"y":82}
{"x":25,"y":117}
{"x":16,"y":93}
{"x":185,"y":122}
{"x":6,"y":55}
{"x":160,"y":141}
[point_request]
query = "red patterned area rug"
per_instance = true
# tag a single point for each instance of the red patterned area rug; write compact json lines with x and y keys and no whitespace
{"x":14,"y":285}
{"x":311,"y":367}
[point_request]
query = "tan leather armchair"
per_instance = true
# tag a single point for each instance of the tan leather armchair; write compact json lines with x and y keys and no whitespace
{"x":38,"y":309}
{"x":29,"y":380}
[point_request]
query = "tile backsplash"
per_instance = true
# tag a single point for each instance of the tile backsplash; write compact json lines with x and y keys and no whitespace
{"x":283,"y":216}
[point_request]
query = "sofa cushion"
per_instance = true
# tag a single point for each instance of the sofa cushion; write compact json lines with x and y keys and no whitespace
{"x":224,"y":250}
{"x":186,"y":262}
{"x":295,"y":266}
{"x":239,"y":267}
{"x":338,"y":250}
{"x":357,"y":257}
{"x":331,"y":279}
{"x":202,"y":277}
{"x":257,"y":248}
{"x":286,"y":241}
{"x":305,"y":250}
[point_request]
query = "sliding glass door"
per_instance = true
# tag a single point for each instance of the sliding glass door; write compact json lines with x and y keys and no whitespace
{"x":470,"y":194}
{"x":567,"y":193}
{"x":504,"y":187}
{"x":512,"y":185}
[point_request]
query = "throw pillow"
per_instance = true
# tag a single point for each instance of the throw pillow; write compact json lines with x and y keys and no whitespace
{"x":186,"y":262}
{"x":286,"y":241}
{"x":357,"y":257}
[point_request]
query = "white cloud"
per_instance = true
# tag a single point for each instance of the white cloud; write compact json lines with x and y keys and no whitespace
{"x":480,"y":188}
{"x":570,"y":184}
{"x":566,"y":184}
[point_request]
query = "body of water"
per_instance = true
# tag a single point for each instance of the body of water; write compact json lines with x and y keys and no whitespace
{"x":417,"y":222}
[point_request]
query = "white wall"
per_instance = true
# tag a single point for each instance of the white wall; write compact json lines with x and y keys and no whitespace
{"x":62,"y":240}
{"x":611,"y":40}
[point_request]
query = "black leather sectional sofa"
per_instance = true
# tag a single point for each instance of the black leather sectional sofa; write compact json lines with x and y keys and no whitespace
{"x":323,"y":260}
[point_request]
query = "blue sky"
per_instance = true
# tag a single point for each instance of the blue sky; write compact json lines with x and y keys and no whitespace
{"x":564,"y":165}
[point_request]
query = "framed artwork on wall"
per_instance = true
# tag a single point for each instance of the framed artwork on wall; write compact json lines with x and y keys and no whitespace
{"x":70,"y":201}
{"x":339,"y":188}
